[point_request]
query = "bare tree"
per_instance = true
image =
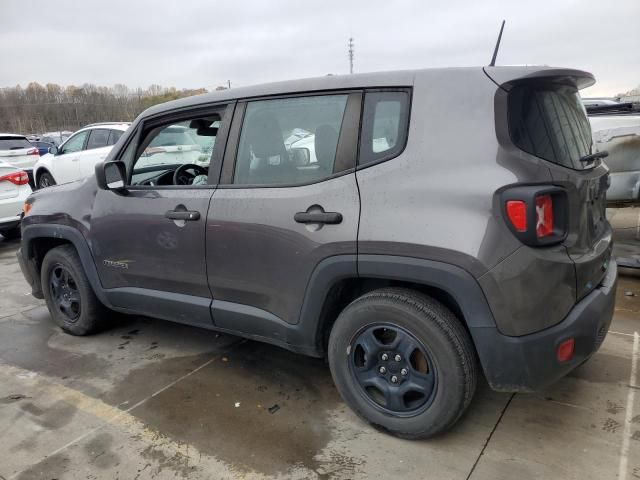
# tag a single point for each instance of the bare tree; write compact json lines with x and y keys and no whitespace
{"x":52,"y":107}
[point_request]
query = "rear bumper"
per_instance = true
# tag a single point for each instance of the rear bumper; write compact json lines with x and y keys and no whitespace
{"x":529,"y":363}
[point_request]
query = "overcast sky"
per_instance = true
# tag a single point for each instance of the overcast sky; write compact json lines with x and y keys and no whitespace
{"x":191,"y":43}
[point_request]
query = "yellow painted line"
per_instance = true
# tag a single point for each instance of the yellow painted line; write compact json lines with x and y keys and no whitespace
{"x":110,"y":415}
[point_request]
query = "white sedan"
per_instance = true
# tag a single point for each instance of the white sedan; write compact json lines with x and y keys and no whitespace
{"x":16,"y":150}
{"x":77,"y":157}
{"x":14,"y":190}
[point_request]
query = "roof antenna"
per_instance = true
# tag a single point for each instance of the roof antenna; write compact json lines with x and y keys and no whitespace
{"x":495,"y":52}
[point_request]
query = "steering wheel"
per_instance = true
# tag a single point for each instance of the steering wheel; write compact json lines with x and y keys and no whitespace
{"x":181,"y":177}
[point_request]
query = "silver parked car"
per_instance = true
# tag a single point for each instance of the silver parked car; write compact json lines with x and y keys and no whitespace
{"x":616,"y":129}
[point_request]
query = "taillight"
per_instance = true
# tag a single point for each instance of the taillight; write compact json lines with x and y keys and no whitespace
{"x":17,"y":178}
{"x":536,"y":214}
{"x":33,"y":151}
{"x":544,"y":216}
{"x":517,"y":213}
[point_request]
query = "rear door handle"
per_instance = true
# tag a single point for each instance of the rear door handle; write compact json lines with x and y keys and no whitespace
{"x":330,"y":218}
{"x":187,"y":215}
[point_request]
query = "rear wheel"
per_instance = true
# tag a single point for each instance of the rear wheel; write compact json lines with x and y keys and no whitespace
{"x":70,"y":299}
{"x":45,"y":180}
{"x":403,"y":362}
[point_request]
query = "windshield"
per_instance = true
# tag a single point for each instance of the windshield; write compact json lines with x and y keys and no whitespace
{"x":14,"y":143}
{"x":550,"y":123}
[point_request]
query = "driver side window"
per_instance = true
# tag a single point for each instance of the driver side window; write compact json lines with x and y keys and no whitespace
{"x":177,"y":154}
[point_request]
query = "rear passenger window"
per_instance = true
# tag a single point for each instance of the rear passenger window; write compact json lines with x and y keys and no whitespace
{"x":97,"y":138}
{"x":384,"y":126}
{"x":289,"y":141}
{"x":114,"y":136}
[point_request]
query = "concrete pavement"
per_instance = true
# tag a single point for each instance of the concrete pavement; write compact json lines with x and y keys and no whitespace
{"x":152,"y":400}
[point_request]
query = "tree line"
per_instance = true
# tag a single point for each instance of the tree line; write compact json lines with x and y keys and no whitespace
{"x":51,"y":107}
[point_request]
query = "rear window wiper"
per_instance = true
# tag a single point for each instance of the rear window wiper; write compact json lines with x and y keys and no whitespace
{"x":594,"y":156}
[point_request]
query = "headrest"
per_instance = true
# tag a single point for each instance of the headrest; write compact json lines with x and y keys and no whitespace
{"x":264,"y":134}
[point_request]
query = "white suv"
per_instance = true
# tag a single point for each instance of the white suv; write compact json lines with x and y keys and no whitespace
{"x":77,"y":157}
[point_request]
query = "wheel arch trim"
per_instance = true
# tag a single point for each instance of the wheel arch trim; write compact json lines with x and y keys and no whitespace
{"x":449,"y":278}
{"x":32,"y":232}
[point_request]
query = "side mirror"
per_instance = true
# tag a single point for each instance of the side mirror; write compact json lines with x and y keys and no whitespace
{"x":301,"y":156}
{"x":53,"y":150}
{"x":111,"y":176}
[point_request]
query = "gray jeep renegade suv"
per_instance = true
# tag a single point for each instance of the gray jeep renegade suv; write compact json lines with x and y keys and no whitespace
{"x":412,"y":226}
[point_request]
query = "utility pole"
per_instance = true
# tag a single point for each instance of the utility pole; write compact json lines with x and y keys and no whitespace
{"x":229,"y":83}
{"x":350,"y":54}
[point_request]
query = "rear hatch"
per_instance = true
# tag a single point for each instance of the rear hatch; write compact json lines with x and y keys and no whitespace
{"x":547,"y":120}
{"x":18,"y":151}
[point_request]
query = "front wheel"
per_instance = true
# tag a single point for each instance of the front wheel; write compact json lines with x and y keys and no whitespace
{"x":403,"y":362}
{"x":45,"y":180}
{"x":70,"y":299}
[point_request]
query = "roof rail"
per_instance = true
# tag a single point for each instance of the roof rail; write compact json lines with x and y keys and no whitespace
{"x":106,"y":123}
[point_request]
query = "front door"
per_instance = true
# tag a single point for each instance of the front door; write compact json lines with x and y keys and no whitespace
{"x":287,"y":200}
{"x":149,"y":243}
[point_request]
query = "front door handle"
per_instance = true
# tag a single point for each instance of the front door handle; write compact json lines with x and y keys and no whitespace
{"x":186,"y":215}
{"x":330,"y":218}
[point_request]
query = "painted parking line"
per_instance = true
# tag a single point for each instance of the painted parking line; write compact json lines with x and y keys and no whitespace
{"x":633,"y":382}
{"x":110,"y":415}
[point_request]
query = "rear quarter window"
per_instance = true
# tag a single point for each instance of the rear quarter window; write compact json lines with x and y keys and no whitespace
{"x":384,"y":126}
{"x":550,"y":123}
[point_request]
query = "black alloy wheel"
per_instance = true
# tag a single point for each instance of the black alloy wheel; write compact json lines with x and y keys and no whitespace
{"x":64,"y":292}
{"x":393,"y":369}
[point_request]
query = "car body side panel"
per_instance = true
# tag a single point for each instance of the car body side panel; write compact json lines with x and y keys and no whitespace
{"x":135,"y":245}
{"x":257,"y":255}
{"x":530,"y":290}
{"x":439,"y":191}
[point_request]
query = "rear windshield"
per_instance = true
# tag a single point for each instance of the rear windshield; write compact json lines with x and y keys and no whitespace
{"x":14,"y":143}
{"x":550,"y":123}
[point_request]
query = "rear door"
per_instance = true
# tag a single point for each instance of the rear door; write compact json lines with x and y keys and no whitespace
{"x":282,"y":207}
{"x":549,"y":121}
{"x":65,"y":164}
{"x":95,"y":151}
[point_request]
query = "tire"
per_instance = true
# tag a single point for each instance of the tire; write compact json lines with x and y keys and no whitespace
{"x":437,"y":367}
{"x":80,"y":313}
{"x":45,"y":180}
{"x":12,"y":233}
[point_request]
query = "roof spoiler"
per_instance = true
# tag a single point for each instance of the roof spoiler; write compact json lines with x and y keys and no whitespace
{"x":507,"y":77}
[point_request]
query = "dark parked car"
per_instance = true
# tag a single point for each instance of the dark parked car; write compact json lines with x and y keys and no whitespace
{"x":43,"y":147}
{"x":421,"y":226}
